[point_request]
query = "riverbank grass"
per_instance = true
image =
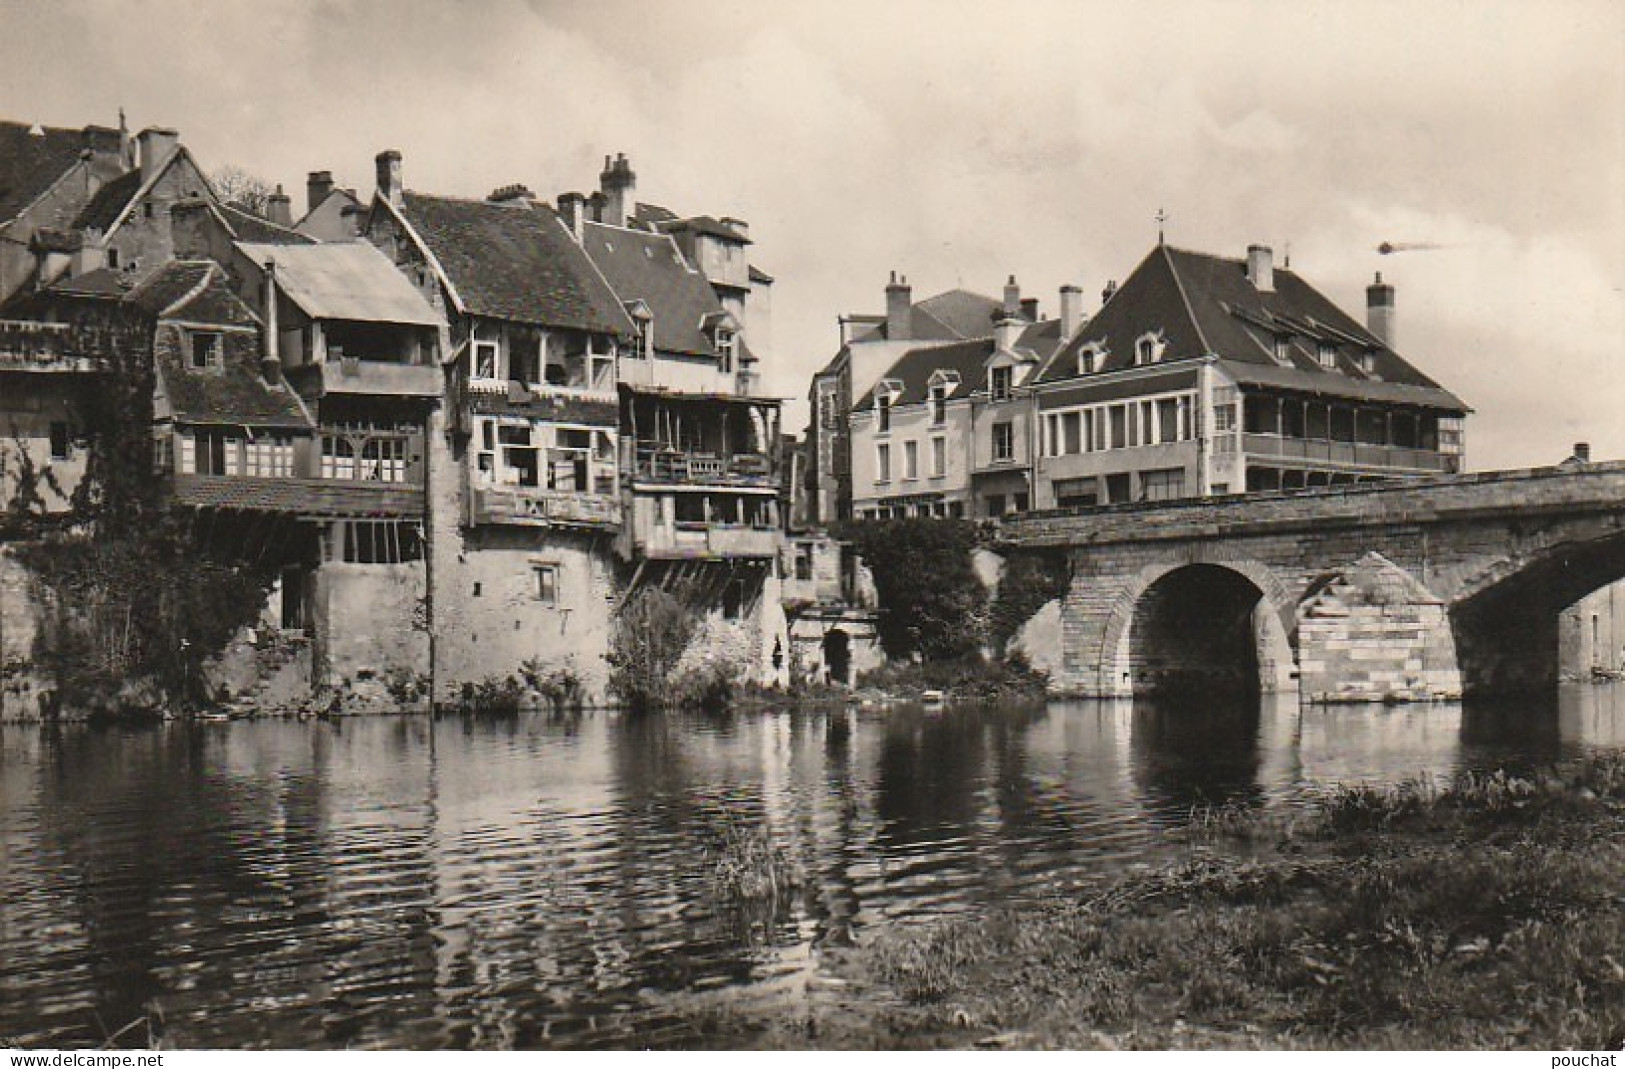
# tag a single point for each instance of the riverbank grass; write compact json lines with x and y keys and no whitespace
{"x":1485,"y":914}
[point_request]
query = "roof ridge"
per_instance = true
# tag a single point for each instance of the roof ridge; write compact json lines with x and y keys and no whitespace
{"x":1185,"y":300}
{"x":519,"y":205}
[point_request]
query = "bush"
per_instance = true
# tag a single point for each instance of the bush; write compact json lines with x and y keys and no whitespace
{"x":652,"y":630}
{"x":1030,"y":581}
{"x":496,"y":696}
{"x":932,"y":605}
{"x":561,"y":688}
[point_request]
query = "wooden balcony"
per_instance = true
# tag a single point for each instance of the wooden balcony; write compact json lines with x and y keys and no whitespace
{"x":310,"y":498}
{"x":374,"y":378}
{"x":672,"y":467}
{"x":41,"y":347}
{"x":533,"y":507}
{"x":695,"y":541}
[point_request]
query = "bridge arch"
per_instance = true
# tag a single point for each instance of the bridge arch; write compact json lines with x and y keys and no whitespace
{"x":1200,"y":623}
{"x":1506,"y":617}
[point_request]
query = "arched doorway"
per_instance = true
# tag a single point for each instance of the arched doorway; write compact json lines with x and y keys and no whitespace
{"x":838,"y":656}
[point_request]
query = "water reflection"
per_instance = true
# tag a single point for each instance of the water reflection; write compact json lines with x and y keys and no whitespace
{"x":544,"y":881}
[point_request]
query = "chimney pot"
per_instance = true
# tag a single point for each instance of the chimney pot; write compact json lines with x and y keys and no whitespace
{"x":1261,"y":267}
{"x":617,"y":183}
{"x":1012,"y":296}
{"x":318,"y":186}
{"x":1029,"y":309}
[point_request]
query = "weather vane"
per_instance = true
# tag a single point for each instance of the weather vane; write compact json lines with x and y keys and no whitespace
{"x":1162,"y":217}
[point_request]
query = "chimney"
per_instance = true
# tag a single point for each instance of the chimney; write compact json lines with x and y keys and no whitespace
{"x":1071,"y":310}
{"x":899,"y":306}
{"x":1582,"y":452}
{"x":271,"y":358}
{"x":1261,"y":268}
{"x":389,"y":175}
{"x":92,"y":252}
{"x":278,"y":208}
{"x":1006,"y":332}
{"x":1379,"y":310}
{"x":1109,"y":292}
{"x":572,"y":210}
{"x":517,"y":193}
{"x":1029,"y":309}
{"x":1012,"y":297}
{"x":157,"y":145}
{"x":617,"y":183}
{"x":318,"y":186}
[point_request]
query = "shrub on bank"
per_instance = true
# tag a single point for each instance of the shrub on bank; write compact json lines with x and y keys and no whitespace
{"x":972,"y":678}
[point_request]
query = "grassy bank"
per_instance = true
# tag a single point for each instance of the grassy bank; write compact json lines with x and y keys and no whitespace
{"x":1484,"y":915}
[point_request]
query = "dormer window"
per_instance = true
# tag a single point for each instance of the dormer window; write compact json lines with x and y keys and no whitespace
{"x":1148,"y":349}
{"x":206,"y":349}
{"x":1091,"y":358}
{"x":939,"y":404}
{"x":643,"y":325}
{"x":1283,"y":349}
{"x":883,"y":412}
{"x":1368,"y":363}
{"x":1326,"y":353}
{"x":999,"y":381}
{"x":726,"y":344}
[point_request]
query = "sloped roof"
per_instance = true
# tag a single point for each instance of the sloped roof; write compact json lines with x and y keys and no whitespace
{"x":648,"y":267}
{"x":953,"y":315}
{"x":514,"y":261}
{"x":704,"y":224}
{"x":250,"y":227}
{"x":109,"y":202}
{"x":102,"y":282}
{"x":30,"y":163}
{"x":1205,"y":304}
{"x":913,"y":370}
{"x":235,"y":392}
{"x":344,"y":280}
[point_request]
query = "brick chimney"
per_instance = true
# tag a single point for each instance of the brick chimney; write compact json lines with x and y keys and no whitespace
{"x":1029,"y":309}
{"x":1582,"y":452}
{"x":157,"y":143}
{"x":318,"y":186}
{"x":572,"y":208}
{"x":1071,"y":310}
{"x":1012,"y":297}
{"x":899,"y":307}
{"x":279,"y":208}
{"x":1379,"y":310}
{"x":1261,"y":268}
{"x":389,"y":175}
{"x":618,"y":183}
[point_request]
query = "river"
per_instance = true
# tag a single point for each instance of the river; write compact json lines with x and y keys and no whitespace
{"x":549,"y":882}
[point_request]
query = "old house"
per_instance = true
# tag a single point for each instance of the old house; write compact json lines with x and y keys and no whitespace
{"x":48,"y":177}
{"x":331,"y":213}
{"x":525,"y":478}
{"x":1204,"y":375}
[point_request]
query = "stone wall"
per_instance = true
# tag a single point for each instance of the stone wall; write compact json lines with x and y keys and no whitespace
{"x":370,"y":622}
{"x":21,"y":691}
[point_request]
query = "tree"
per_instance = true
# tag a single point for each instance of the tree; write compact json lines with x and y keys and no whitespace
{"x":931,"y":602}
{"x":250,"y":192}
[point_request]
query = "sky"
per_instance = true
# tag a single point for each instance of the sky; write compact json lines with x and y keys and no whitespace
{"x":960,"y":143}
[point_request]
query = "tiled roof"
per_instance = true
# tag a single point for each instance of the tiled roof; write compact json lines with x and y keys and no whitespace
{"x":648,"y":267}
{"x":109,"y":202}
{"x":954,"y":315}
{"x":344,"y":280}
{"x":250,"y":227}
{"x":102,"y":282}
{"x":515,"y":262}
{"x":1205,"y":304}
{"x":304,"y":497}
{"x":31,"y":163}
{"x":913,"y":370}
{"x":169,"y":283}
{"x":652,"y":215}
{"x":553,"y":407}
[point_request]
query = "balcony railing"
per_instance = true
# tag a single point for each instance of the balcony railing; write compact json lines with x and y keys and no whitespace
{"x":688,"y":540}
{"x":1349,"y":454}
{"x":706,"y":469}
{"x":534,"y":507}
{"x":29,"y":346}
{"x":370,"y":377}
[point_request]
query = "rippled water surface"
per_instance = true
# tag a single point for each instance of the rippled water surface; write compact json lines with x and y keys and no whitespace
{"x":550,"y":882}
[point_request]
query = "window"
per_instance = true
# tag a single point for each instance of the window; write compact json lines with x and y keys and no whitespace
{"x":270,"y":457}
{"x":804,"y":562}
{"x":1162,"y":485}
{"x":525,"y":360}
{"x":205,"y":349}
{"x":882,"y":463}
{"x":384,"y":460}
{"x":939,"y":404}
{"x":995,"y":504}
{"x":999,"y":383}
{"x":883,"y":412}
{"x":1076,"y":493}
{"x":1090,"y":358}
{"x":1004,"y":441}
{"x":61,"y":441}
{"x":726,"y":344}
{"x":373,"y":542}
{"x":1169,"y":426}
{"x":1071,"y":430}
{"x":520,"y":463}
{"x":939,"y":457}
{"x":485,"y":359}
{"x":643,"y":343}
{"x":911,"y":460}
{"x":1326,"y":353}
{"x":546,"y":583}
{"x":211,"y":453}
{"x":1224,"y":419}
{"x":338,"y":457}
{"x":1145,"y":351}
{"x":736,"y":598}
{"x":112,"y":259}
{"x":1283,"y":349}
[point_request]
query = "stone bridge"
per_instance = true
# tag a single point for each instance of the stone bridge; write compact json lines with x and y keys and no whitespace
{"x":1412,"y":590}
